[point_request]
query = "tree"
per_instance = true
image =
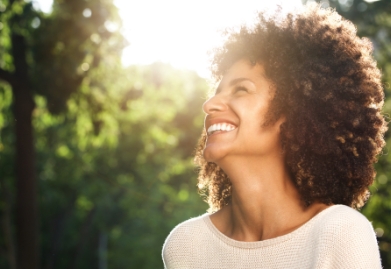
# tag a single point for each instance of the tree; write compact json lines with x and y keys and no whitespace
{"x":49,"y":56}
{"x":122,"y":189}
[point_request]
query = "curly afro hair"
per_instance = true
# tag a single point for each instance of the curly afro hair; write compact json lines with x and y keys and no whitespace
{"x":328,"y":88}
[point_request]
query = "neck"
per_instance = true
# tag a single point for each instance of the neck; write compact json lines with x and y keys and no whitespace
{"x":265,"y":203}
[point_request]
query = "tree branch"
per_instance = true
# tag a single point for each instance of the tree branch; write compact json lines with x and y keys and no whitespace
{"x":7,"y":76}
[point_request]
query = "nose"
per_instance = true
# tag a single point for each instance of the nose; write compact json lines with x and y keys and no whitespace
{"x":214,"y":104}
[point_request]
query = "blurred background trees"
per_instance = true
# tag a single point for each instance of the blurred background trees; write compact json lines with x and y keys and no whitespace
{"x":106,"y":146}
{"x":103,"y":170}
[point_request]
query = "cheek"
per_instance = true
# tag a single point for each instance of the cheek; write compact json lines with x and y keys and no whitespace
{"x":261,"y":139}
{"x":253,"y":121}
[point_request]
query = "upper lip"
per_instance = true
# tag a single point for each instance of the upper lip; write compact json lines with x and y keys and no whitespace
{"x":210,"y":121}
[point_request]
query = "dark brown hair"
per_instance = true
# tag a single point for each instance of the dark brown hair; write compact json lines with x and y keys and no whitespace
{"x":328,"y":88}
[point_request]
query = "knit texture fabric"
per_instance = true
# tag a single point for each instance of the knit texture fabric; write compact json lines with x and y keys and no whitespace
{"x":338,"y":237}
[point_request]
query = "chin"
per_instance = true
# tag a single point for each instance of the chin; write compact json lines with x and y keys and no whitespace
{"x":207,"y":156}
{"x":212,"y":154}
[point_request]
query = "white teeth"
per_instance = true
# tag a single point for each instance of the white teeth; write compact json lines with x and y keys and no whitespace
{"x":226,"y":127}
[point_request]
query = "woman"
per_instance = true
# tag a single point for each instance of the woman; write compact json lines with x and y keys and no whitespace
{"x":291,"y":135}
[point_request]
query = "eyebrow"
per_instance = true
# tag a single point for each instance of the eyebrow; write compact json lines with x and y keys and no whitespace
{"x":232,"y":83}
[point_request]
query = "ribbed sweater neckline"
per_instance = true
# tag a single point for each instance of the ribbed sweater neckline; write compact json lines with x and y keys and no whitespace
{"x":267,"y":242}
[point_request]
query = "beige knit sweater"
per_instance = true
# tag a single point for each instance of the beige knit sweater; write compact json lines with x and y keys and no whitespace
{"x":338,"y":237}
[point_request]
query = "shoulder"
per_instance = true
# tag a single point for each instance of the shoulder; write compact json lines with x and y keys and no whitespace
{"x":176,"y":247}
{"x":348,"y":238}
{"x":187,"y":230}
{"x":341,"y":216}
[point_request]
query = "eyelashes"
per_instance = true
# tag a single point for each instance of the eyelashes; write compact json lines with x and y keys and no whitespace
{"x":240,"y":88}
{"x":234,"y":89}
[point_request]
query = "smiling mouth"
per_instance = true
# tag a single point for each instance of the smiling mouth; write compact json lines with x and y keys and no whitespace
{"x":220,"y":127}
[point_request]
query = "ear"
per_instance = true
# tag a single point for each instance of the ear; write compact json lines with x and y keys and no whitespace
{"x":280,"y":121}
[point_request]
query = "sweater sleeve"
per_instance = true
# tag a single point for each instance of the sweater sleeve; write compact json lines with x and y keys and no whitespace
{"x":177,"y":249}
{"x":353,"y":243}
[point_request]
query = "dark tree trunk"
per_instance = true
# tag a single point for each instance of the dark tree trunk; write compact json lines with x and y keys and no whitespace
{"x":58,"y":225}
{"x":83,"y":237}
{"x":7,"y":224}
{"x":26,"y":184}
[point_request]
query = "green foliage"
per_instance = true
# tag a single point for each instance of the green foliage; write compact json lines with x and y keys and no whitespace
{"x":132,"y":181}
{"x":7,"y":173}
{"x":75,"y":39}
{"x":113,"y":146}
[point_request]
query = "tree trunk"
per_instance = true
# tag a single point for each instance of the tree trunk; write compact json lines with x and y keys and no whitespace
{"x":26,"y":184}
{"x":83,"y":237}
{"x":7,"y":225}
{"x":58,"y":225}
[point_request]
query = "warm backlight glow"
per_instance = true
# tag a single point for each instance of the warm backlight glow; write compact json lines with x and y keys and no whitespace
{"x":180,"y":32}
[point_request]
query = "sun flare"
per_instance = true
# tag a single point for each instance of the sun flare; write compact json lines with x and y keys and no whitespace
{"x":180,"y":32}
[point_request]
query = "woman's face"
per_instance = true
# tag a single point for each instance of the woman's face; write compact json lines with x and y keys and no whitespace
{"x":236,"y":115}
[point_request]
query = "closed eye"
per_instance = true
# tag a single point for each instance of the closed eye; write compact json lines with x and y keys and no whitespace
{"x":240,"y":88}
